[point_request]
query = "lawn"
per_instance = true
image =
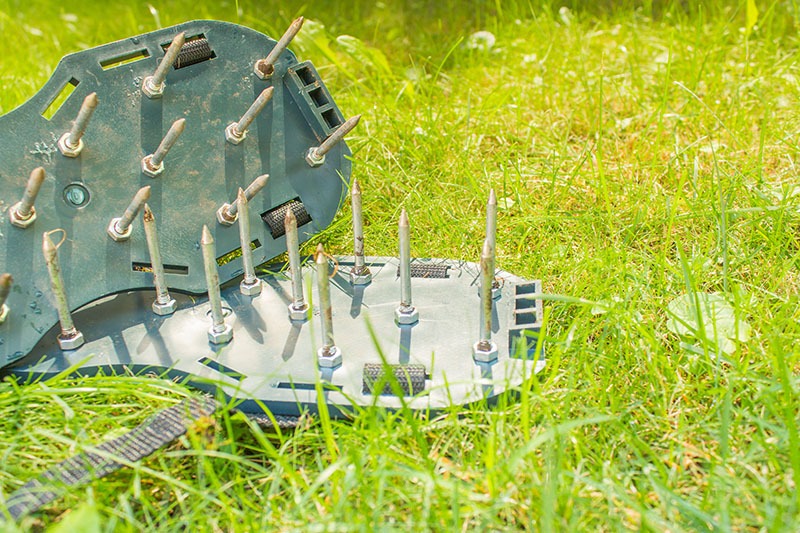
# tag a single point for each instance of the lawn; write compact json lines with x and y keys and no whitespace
{"x":645,"y":162}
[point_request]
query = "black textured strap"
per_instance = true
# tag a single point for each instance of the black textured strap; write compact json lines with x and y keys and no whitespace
{"x":156,"y":432}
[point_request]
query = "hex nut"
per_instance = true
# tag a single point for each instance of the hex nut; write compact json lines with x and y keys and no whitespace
{"x":406,"y":317}
{"x":72,"y":341}
{"x":67,"y":150}
{"x":220,"y":337}
{"x":149,"y":169}
{"x":150,"y":89}
{"x":232,"y":135}
{"x":298,"y":314}
{"x":361,"y":278}
{"x":250,"y":289}
{"x":329,"y":358}
{"x":115,"y":234}
{"x":13,"y":215}
{"x":313,"y":159}
{"x":163,"y":309}
{"x":224,"y":218}
{"x":484,"y":352}
{"x":263,"y":70}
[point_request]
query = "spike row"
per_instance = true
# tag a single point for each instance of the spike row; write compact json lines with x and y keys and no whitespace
{"x":316,"y":155}
{"x":360,"y":274}
{"x":153,"y":86}
{"x":265,"y":68}
{"x":298,"y":309}
{"x":164,"y":304}
{"x":70,"y":337}
{"x":5,"y":288}
{"x":237,"y":131}
{"x":120,"y":228}
{"x":329,"y":355}
{"x":228,"y":213}
{"x":23,"y":214}
{"x":250,"y":284}
{"x":405,"y":314}
{"x":219,"y":332}
{"x":71,"y":143}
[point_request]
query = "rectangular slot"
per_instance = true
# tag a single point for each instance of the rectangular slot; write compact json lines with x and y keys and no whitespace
{"x":524,"y":317}
{"x":222,"y":369}
{"x":234,"y":254}
{"x":524,"y":303}
{"x":306,"y":75}
{"x":526,"y":288}
{"x":168,"y":269}
{"x":331,"y":118}
{"x":195,"y":50}
{"x":58,"y":100}
{"x":425,"y":270}
{"x":124,"y":59}
{"x":522,"y":343}
{"x":274,"y":217}
{"x":318,"y":96}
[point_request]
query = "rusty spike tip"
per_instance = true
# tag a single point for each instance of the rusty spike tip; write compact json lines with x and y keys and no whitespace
{"x":90,"y":100}
{"x":240,"y":196}
{"x":320,"y":255}
{"x":289,"y":217}
{"x":148,"y":214}
{"x":355,"y":188}
{"x":206,"y":238}
{"x":298,"y":22}
{"x":6,"y":280}
{"x":48,"y":247}
{"x":179,"y":125}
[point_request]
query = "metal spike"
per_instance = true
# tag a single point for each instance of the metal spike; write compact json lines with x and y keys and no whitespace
{"x":298,"y":309}
{"x":485,"y":350}
{"x":219,"y":332}
{"x":71,"y":143}
{"x":264,"y":68}
{"x":153,"y":164}
{"x":329,"y":355}
{"x":316,"y":155}
{"x":5,"y":288}
{"x":164,"y":304}
{"x":228,"y":213}
{"x":69,"y":338}
{"x":153,"y":86}
{"x":360,"y":274}
{"x":491,"y":234}
{"x":405,"y":313}
{"x":237,"y":131}
{"x":120,"y":228}
{"x":250,"y":284}
{"x":22,"y":214}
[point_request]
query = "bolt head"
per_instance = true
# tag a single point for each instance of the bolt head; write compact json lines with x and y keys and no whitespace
{"x":115,"y":234}
{"x":166,"y":308}
{"x":150,"y":89}
{"x":405,"y":316}
{"x":330,"y":357}
{"x":232,"y":135}
{"x":149,"y":169}
{"x":250,"y":289}
{"x":4,"y":310}
{"x":313,"y":159}
{"x":67,"y":150}
{"x":263,"y":70}
{"x":220,"y":337}
{"x":71,"y":342}
{"x":484,"y":352}
{"x":224,"y":218}
{"x":19,"y":222}
{"x":364,"y":277}
{"x":298,"y":314}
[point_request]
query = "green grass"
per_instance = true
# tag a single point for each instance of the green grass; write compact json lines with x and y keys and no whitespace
{"x":640,"y":154}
